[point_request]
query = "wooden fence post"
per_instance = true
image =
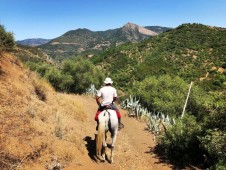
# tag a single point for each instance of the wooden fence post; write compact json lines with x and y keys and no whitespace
{"x":186,"y":99}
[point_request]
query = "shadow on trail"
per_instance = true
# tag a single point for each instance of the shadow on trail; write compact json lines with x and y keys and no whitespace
{"x":159,"y":154}
{"x":162,"y":159}
{"x":91,"y":147}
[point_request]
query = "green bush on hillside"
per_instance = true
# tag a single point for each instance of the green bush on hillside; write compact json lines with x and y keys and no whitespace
{"x":214,"y":127}
{"x":214,"y":142}
{"x":181,"y":143}
{"x":39,"y":67}
{"x":84,"y":73}
{"x":217,"y":109}
{"x":74,"y":75}
{"x":61,"y":82}
{"x":167,"y":94}
{"x":7,"y":41}
{"x":199,"y":139}
{"x":163,"y":93}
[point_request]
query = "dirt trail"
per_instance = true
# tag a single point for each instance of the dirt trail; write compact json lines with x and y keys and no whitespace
{"x":132,"y":149}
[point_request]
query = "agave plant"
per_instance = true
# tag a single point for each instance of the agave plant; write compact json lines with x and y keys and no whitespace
{"x":92,"y":90}
{"x":154,"y":120}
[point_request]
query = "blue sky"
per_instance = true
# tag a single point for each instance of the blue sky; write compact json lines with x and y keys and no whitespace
{"x":52,"y":18}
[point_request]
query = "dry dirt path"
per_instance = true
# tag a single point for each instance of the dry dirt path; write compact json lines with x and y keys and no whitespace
{"x":132,"y":149}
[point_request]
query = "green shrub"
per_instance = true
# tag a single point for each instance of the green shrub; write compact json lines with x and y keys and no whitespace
{"x":164,"y":93}
{"x":40,"y":67}
{"x":181,"y":142}
{"x":214,"y":142}
{"x":221,"y":165}
{"x":217,"y":109}
{"x":199,"y":102}
{"x":84,"y":73}
{"x":74,"y":75}
{"x":204,"y":135}
{"x":61,"y":82}
{"x":7,"y":41}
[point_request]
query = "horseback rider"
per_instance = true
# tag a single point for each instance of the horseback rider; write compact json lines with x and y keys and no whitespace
{"x":109,"y":96}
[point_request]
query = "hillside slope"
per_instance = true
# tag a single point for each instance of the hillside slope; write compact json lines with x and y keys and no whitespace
{"x":41,"y":129}
{"x":193,"y":52}
{"x":38,"y":125}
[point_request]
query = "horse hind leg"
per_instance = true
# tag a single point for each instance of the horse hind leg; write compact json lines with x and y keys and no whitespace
{"x":104,"y":151}
{"x":112,"y":154}
{"x":113,"y":136}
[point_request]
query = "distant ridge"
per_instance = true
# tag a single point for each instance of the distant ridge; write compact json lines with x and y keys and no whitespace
{"x":89,"y":42}
{"x":33,"y":41}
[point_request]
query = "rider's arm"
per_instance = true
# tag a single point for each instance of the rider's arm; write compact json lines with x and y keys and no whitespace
{"x":115,"y":96}
{"x":98,"y":100}
{"x":114,"y":99}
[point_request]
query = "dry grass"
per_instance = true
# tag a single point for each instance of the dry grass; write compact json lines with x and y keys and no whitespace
{"x":33,"y":117}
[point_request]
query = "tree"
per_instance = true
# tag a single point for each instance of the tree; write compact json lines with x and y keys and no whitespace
{"x":61,"y":82}
{"x":84,"y":73}
{"x":6,"y":39}
{"x":166,"y":94}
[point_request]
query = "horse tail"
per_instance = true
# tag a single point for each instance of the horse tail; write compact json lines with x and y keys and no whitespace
{"x":100,"y":137}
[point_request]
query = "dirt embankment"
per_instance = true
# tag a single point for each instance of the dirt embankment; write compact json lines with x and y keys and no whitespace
{"x":43,"y":129}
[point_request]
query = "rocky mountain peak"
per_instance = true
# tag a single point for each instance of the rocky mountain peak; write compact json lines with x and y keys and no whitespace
{"x":140,"y":29}
{"x":130,"y":25}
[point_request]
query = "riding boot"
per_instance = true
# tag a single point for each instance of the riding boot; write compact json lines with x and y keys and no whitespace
{"x":119,"y":124}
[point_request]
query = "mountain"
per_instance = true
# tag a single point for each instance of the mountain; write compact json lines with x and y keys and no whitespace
{"x":33,"y":41}
{"x":194,"y":52}
{"x":135,"y":33}
{"x":85,"y":41}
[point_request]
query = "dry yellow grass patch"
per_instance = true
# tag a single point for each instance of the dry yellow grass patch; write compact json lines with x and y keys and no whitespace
{"x":37,"y":123}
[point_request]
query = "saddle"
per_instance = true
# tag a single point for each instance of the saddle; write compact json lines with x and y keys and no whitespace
{"x":108,"y":107}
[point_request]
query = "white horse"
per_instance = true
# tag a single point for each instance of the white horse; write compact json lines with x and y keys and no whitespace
{"x":108,"y":121}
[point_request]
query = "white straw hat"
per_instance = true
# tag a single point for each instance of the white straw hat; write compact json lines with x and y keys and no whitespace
{"x":108,"y":81}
